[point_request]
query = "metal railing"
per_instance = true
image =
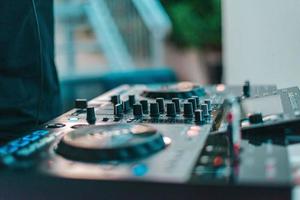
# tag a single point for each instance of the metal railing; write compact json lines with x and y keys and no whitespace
{"x":129,"y":33}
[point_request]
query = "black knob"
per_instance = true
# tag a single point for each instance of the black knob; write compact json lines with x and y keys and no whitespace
{"x":81,"y":103}
{"x":246,"y":89}
{"x":145,"y":107}
{"x":176,"y":102}
{"x":137,"y":110}
{"x":193,"y":102}
{"x":199,"y":116}
{"x":118,"y":110}
{"x":161,"y":105}
{"x":90,"y":115}
{"x":126,"y":106}
{"x":171,"y":111}
{"x":256,"y":118}
{"x":197,"y":99}
{"x":154,"y":111}
{"x":208,"y":102}
{"x":204,"y":108}
{"x":187,"y":110}
{"x":131,"y":100}
{"x":115,"y":99}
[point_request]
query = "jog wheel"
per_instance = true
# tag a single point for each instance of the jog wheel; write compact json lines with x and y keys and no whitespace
{"x":113,"y":142}
{"x":181,"y":90}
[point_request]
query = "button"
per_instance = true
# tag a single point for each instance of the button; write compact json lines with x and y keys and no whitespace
{"x":81,"y":103}
{"x":139,"y":169}
{"x":90,"y":115}
{"x":73,"y":119}
{"x":131,"y":100}
{"x":31,"y":137}
{"x":105,"y":119}
{"x":218,"y":161}
{"x":176,"y":101}
{"x":187,"y":110}
{"x":144,"y":104}
{"x":171,"y":112}
{"x":55,"y":125}
{"x":79,"y":126}
{"x":40,"y":132}
{"x":137,"y":110}
{"x":154,"y":111}
{"x":115,"y":99}
{"x":193,"y":102}
{"x":161,"y":105}
{"x":256,"y":118}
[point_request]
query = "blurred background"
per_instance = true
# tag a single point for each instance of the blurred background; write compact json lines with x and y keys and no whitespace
{"x":103,"y":43}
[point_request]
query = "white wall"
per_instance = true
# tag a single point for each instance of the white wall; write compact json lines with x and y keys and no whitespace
{"x":261,"y":41}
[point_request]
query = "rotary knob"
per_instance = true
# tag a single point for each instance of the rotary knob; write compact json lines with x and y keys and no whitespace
{"x":81,"y":103}
{"x":199,"y":119}
{"x":197,"y":99}
{"x":176,"y":102}
{"x":208,"y":102}
{"x":118,"y":110}
{"x":193,"y":102}
{"x":154,"y":111}
{"x":90,"y":115}
{"x":115,"y":99}
{"x":204,"y":108}
{"x":161,"y":105}
{"x":188,"y":110}
{"x":131,"y":100}
{"x":137,"y":110}
{"x":126,"y":106}
{"x":171,"y":111}
{"x":246,"y":89}
{"x":144,"y":104}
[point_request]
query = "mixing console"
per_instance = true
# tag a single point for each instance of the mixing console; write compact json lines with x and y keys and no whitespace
{"x":183,"y":137}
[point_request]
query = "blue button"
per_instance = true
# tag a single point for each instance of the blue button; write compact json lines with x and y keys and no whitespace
{"x":40,"y":132}
{"x":140,"y":169}
{"x":14,"y":143}
{"x":11,"y":149}
{"x":31,"y":137}
{"x":23,"y":143}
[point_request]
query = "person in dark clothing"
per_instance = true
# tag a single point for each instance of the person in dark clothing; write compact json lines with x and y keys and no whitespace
{"x":29,"y":88}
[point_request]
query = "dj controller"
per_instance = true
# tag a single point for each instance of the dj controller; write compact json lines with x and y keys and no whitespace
{"x":178,"y":140}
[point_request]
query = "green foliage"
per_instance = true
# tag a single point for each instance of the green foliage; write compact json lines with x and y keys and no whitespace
{"x":196,"y":23}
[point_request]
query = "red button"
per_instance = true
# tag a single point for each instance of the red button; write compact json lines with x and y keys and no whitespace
{"x":218,"y":161}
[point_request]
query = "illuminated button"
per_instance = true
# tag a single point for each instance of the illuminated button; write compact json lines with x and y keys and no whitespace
{"x":139,"y":169}
{"x":218,"y":161}
{"x":40,"y":132}
{"x":31,"y":137}
{"x":73,"y":119}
